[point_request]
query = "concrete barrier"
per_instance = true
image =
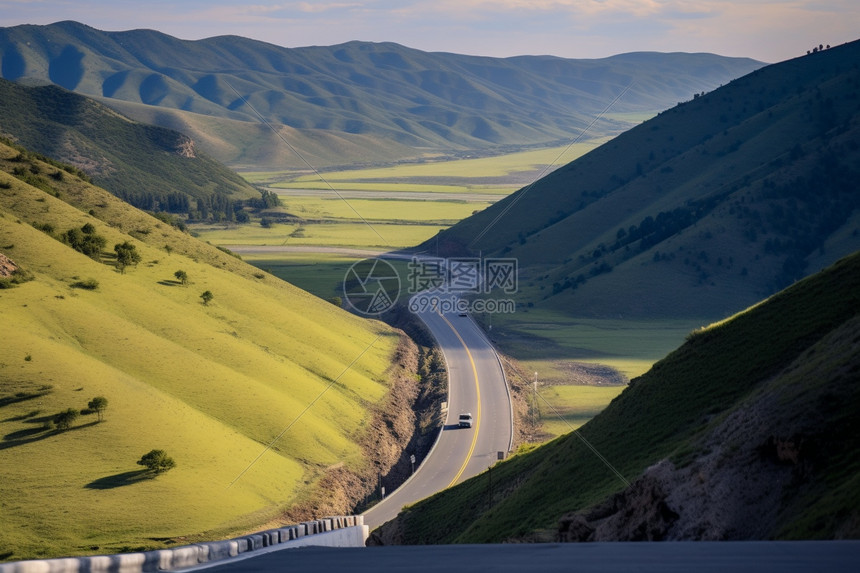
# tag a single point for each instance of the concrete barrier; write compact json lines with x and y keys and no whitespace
{"x":342,"y":531}
{"x":218,"y":550}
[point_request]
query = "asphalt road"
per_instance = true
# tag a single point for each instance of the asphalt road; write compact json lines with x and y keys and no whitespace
{"x":647,"y":557}
{"x":476,"y":385}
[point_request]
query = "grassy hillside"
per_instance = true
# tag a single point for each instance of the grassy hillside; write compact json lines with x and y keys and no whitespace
{"x":212,"y":384}
{"x":151,"y":167}
{"x":362,"y":91}
{"x":747,"y":431}
{"x":699,"y":211}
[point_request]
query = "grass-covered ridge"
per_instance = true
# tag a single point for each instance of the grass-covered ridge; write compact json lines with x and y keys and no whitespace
{"x":783,"y":371}
{"x":211,"y":384}
{"x":698,"y":212}
{"x":153,"y":168}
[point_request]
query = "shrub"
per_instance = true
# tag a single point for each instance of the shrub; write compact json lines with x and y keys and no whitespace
{"x":85,"y":240}
{"x":64,"y":420}
{"x":157,"y":461}
{"x":18,"y":276}
{"x":89,"y":284}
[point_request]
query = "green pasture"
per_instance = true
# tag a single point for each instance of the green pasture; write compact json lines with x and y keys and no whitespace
{"x":418,"y":186}
{"x":562,"y":409}
{"x":376,"y":235}
{"x":321,"y":274}
{"x":214,"y":385}
{"x":390,"y":210}
{"x":547,"y":338}
{"x":499,"y":166}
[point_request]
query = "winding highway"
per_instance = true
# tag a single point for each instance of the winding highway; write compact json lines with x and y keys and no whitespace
{"x":476,"y":384}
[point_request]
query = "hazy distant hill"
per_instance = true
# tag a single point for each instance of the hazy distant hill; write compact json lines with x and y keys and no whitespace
{"x":151,"y":167}
{"x":700,"y":211}
{"x":749,"y":430}
{"x":403,"y":97}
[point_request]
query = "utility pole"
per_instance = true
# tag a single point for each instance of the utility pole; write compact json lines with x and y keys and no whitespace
{"x":535,"y":416}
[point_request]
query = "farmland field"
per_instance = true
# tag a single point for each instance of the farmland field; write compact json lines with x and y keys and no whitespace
{"x":333,"y":215}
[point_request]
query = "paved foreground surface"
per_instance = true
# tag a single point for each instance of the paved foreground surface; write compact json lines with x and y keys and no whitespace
{"x":697,"y":557}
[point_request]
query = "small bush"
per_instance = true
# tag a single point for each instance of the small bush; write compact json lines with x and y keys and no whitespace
{"x":64,"y":420}
{"x":46,"y":228}
{"x":88,"y":284}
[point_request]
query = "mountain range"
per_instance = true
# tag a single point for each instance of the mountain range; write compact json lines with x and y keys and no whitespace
{"x":707,"y":208}
{"x":237,"y":97}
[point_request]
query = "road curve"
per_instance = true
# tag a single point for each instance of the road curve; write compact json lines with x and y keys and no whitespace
{"x":476,"y":384}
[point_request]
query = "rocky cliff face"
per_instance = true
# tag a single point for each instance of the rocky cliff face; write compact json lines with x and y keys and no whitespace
{"x":7,"y":266}
{"x":757,"y":468}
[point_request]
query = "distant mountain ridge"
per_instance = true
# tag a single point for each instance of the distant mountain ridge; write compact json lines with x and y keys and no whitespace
{"x":386,"y":91}
{"x":698,"y":212}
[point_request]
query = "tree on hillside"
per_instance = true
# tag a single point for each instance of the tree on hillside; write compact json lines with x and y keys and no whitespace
{"x":126,"y":254}
{"x":98,"y":405}
{"x":181,"y":276}
{"x":64,"y":420}
{"x":157,"y":461}
{"x":85,"y":240}
{"x":207,"y":296}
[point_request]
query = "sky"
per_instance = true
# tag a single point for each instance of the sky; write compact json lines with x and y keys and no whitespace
{"x":767,"y":30}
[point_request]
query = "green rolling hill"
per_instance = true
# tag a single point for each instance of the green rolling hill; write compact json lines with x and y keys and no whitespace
{"x":747,"y":431}
{"x":214,"y":384}
{"x":153,"y":168}
{"x":344,"y":98}
{"x":698,"y":212}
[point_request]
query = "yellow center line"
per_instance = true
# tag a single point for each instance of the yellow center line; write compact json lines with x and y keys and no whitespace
{"x":478,"y":391}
